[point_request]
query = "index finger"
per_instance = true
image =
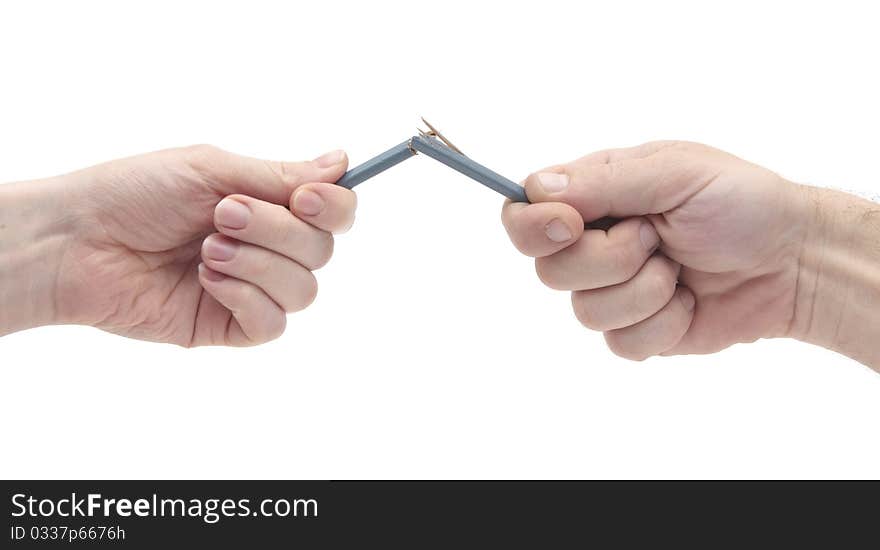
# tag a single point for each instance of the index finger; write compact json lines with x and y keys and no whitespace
{"x":542,"y":229}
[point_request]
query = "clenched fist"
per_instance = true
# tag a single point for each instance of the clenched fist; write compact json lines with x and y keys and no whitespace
{"x":709,"y":250}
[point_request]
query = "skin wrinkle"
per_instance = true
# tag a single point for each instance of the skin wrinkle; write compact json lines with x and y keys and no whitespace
{"x":851,"y":246}
{"x":814,"y":295}
{"x":195,"y":318}
{"x":77,"y":276}
{"x":279,"y":170}
{"x":195,"y":159}
{"x":825,"y":269}
{"x":187,"y":268}
{"x":739,"y":287}
{"x":816,"y":278}
{"x":699,"y":188}
{"x":27,"y":277}
{"x":838,"y":322}
{"x":797,"y":289}
{"x":227,"y":334}
{"x":666,"y":214}
{"x":838,"y":296}
{"x":683,"y":334}
{"x":609,"y":169}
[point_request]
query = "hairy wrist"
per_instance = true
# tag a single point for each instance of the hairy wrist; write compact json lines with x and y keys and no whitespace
{"x":838,"y":284}
{"x":34,"y":232}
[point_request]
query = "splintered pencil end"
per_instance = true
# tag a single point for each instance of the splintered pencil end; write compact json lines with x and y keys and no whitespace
{"x":433,"y":132}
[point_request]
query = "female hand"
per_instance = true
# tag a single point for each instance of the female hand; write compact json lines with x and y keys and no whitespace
{"x":193,"y":246}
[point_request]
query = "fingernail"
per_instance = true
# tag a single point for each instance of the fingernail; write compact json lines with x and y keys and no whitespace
{"x":688,"y":300}
{"x":219,"y":249}
{"x":551,"y":182}
{"x":557,"y":231}
{"x":308,"y":203}
{"x":232,"y":214}
{"x":210,"y":274}
{"x":329,"y":159}
{"x":649,"y":237}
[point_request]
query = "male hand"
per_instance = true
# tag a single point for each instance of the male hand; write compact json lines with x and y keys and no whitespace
{"x":706,"y":253}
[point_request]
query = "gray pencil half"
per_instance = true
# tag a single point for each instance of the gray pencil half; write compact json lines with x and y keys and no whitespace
{"x":469,"y":168}
{"x":375,"y":165}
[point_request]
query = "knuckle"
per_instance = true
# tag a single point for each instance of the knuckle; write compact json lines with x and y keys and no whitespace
{"x":275,"y":326}
{"x":249,"y":294}
{"x":305,"y":294}
{"x":548,"y":273}
{"x":347,"y":214}
{"x":259,"y":269}
{"x":205,"y":160}
{"x":279,"y":225}
{"x":277,"y":211}
{"x":625,"y":261}
{"x":583,"y":310}
{"x":285,"y":229}
{"x":347,"y":225}
{"x":289,"y":173}
{"x":519,"y":242}
{"x":512,"y":225}
{"x":324,"y":251}
{"x":623,"y":348}
{"x":601,"y":175}
{"x":659,"y":282}
{"x":302,"y":294}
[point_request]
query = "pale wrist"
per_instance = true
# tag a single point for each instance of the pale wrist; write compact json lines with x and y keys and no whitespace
{"x":34,"y":233}
{"x":838,"y":288}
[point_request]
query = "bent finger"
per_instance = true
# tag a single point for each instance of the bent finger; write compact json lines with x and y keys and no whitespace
{"x":289,"y":284}
{"x":539,"y":230}
{"x":256,"y":317}
{"x":600,"y":258}
{"x":325,"y":206}
{"x":273,"y":227}
{"x":631,"y":302}
{"x":658,"y":333}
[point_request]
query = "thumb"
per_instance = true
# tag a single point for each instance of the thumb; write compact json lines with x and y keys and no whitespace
{"x":649,"y":179}
{"x":268,"y":180}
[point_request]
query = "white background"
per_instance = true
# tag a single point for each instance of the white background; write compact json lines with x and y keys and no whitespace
{"x":433,"y":350}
